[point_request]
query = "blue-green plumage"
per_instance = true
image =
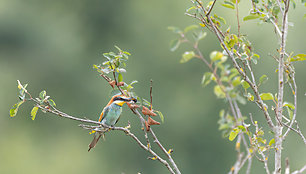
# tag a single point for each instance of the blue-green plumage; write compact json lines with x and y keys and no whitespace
{"x":111,"y":114}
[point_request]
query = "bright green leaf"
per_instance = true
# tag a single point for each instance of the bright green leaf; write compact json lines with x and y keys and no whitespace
{"x":221,"y":19}
{"x":251,"y":17}
{"x":271,"y":142}
{"x":120,"y":77}
{"x":299,"y":57}
{"x":245,"y":84}
{"x":174,"y":44}
{"x":187,"y":56}
{"x":34,"y":112}
{"x":236,"y":81}
{"x":228,"y":5}
{"x":266,"y":96}
{"x":290,"y":105}
{"x":14,"y":109}
{"x":233,"y":134}
{"x":250,"y":97}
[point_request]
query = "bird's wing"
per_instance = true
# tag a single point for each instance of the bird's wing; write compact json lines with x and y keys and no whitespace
{"x":104,"y":113}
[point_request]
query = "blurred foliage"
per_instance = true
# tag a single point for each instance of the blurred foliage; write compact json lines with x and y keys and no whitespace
{"x":52,"y":46}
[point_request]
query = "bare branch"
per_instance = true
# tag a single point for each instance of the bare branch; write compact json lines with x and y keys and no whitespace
{"x":300,"y":171}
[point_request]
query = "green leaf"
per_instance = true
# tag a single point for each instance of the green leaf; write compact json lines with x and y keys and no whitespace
{"x":207,"y":77}
{"x":236,"y":81}
{"x":201,"y":35}
{"x":228,"y":4}
{"x":233,"y":134}
{"x":146,"y":102}
{"x":263,"y":79}
{"x":299,"y":57}
{"x":290,"y":105}
{"x":160,"y":115}
{"x":266,"y":96}
{"x":34,"y":112}
{"x":271,"y":142}
{"x":174,"y":44}
{"x":219,"y":92}
{"x":215,"y":55}
{"x":118,"y":48}
{"x":290,"y":113}
{"x":221,"y":19}
{"x":188,"y":55}
{"x":251,"y":17}
{"x":14,"y":109}
{"x":250,"y":97}
{"x":175,"y":29}
{"x":191,"y":27}
{"x":42,"y":94}
{"x":245,"y":84}
{"x":52,"y":103}
{"x":120,"y":77}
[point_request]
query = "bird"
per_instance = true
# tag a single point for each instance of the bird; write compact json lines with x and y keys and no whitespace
{"x":110,"y":116}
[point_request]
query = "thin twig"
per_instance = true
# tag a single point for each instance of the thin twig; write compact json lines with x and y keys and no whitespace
{"x":300,"y":171}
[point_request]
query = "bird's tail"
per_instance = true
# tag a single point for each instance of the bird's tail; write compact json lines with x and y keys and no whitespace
{"x":95,"y":141}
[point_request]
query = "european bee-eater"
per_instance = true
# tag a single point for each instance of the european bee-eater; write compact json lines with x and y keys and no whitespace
{"x":110,"y":115}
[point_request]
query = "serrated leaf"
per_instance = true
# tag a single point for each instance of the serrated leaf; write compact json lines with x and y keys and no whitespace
{"x":188,"y":55}
{"x":174,"y":44}
{"x":266,"y":96}
{"x":14,"y":109}
{"x":189,"y":28}
{"x":263,"y":79}
{"x":251,"y":17}
{"x":42,"y":94}
{"x":34,"y":112}
{"x":160,"y":115}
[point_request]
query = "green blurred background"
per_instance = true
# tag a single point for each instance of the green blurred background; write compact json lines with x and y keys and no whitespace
{"x":52,"y":45}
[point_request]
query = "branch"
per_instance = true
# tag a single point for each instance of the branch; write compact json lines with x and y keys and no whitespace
{"x":125,"y":130}
{"x":300,"y":171}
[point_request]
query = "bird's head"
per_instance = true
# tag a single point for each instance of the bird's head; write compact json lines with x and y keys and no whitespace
{"x":121,"y":99}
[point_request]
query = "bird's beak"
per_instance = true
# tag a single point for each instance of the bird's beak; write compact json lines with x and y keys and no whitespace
{"x":133,"y":100}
